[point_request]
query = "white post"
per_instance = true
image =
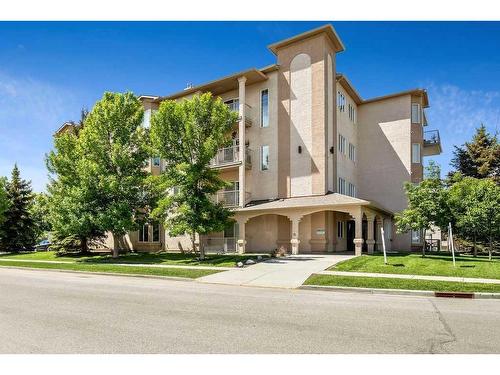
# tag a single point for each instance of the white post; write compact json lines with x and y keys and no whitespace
{"x":450,"y":236}
{"x":242,"y":139}
{"x":383,"y":244}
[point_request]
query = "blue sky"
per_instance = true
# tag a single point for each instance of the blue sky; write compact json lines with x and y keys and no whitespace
{"x":50,"y":70}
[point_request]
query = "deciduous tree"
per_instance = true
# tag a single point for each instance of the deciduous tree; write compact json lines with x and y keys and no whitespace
{"x":187,"y":135}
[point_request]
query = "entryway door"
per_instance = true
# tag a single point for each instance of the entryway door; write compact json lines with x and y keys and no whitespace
{"x":351,"y":230}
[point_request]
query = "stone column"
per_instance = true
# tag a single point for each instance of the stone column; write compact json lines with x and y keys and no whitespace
{"x":358,"y":232}
{"x":370,"y":239}
{"x":241,"y":243}
{"x":295,"y":234}
{"x":242,"y":139}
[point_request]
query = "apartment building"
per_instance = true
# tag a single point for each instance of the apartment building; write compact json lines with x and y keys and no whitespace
{"x":313,"y":166}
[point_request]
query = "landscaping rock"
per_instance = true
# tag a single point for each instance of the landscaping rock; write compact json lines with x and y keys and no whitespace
{"x":250,"y":261}
{"x":239,"y":264}
{"x":259,"y":257}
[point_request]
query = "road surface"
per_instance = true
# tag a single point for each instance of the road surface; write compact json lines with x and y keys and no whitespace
{"x":56,"y":312}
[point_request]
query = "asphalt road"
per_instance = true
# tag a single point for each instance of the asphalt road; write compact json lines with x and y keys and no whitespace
{"x":55,"y":312}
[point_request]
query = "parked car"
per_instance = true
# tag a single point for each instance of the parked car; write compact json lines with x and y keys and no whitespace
{"x":43,"y":245}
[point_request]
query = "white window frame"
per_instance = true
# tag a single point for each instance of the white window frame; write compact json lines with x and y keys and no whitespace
{"x":342,"y":186}
{"x":232,"y":100}
{"x":352,"y":152}
{"x":262,"y":166}
{"x":262,"y":109}
{"x":342,"y":144}
{"x":148,"y":228}
{"x":146,"y":119}
{"x":416,"y":113}
{"x":416,"y":237}
{"x":145,"y":230}
{"x":351,"y":190}
{"x":416,"y":153}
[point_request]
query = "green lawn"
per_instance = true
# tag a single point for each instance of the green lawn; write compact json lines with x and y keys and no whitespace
{"x":415,"y":264}
{"x":211,"y":260}
{"x":387,"y":283}
{"x":111,"y":268}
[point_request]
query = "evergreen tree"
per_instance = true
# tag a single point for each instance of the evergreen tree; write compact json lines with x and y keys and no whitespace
{"x":4,"y":202}
{"x":18,"y":227}
{"x":479,"y":158}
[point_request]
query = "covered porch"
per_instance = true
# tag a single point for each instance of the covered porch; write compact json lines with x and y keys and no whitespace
{"x":314,"y":224}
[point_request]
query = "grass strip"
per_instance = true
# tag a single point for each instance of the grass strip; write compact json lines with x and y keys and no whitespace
{"x":411,"y":284}
{"x":110,"y":268}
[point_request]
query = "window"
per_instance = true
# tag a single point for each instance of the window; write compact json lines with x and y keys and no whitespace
{"x":340,"y":101}
{"x":146,"y":120}
{"x":156,"y":232}
{"x":233,"y":104}
{"x":144,"y":233}
{"x":352,"y":112}
{"x":415,"y":153}
{"x":341,"y":187}
{"x":415,"y":113}
{"x":351,"y":190}
{"x":340,"y":229}
{"x":264,"y":108}
{"x":156,"y":161}
{"x":352,"y":152}
{"x":264,"y":158}
{"x":416,"y":237}
{"x":342,"y":143}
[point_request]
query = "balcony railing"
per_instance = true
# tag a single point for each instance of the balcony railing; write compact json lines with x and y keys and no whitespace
{"x":231,"y":155}
{"x":230,"y":198}
{"x":234,"y":106}
{"x":219,"y":244}
{"x":431,"y":137}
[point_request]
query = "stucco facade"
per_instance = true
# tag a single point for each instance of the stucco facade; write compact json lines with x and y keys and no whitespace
{"x":314,"y":167}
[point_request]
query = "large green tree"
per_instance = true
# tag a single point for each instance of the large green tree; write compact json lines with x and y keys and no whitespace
{"x":113,"y":148}
{"x":39,"y":211}
{"x":187,"y":135}
{"x":479,"y":158}
{"x":73,"y":202}
{"x":475,"y":206}
{"x":4,"y":201}
{"x":427,"y":204}
{"x":18,"y":227}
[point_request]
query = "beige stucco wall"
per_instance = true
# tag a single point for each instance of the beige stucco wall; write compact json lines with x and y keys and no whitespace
{"x":384,"y":156}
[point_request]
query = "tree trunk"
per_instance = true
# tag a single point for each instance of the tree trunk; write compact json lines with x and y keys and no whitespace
{"x":84,"y":245}
{"x":423,"y":247}
{"x":116,"y":249}
{"x":491,"y":247}
{"x":475,"y":247}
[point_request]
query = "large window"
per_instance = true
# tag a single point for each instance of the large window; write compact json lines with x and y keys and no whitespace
{"x":351,"y":190}
{"x":340,"y":101}
{"x":149,"y":233}
{"x":416,"y":237}
{"x":264,"y":108}
{"x":341,"y":187}
{"x":416,"y":113}
{"x":352,"y":152}
{"x":352,"y":113}
{"x":233,"y":104}
{"x":264,"y":158}
{"x":342,"y":143}
{"x":415,"y":153}
{"x":146,"y":120}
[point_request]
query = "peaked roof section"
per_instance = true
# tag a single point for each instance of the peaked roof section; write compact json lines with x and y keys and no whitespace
{"x":328,"y":29}
{"x":347,"y":85}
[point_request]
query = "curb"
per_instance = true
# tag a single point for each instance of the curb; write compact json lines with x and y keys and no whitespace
{"x":402,"y":292}
{"x":174,"y":278}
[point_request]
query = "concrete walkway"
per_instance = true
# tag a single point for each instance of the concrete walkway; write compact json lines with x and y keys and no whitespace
{"x":287,"y":272}
{"x":414,"y":277}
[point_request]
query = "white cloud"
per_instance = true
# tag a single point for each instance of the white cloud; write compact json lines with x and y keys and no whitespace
{"x":457,"y":112}
{"x":30,"y":111}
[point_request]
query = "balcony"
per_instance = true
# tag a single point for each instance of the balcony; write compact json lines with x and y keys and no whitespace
{"x":230,"y":156}
{"x":432,"y":143}
{"x":230,"y":198}
{"x":234,"y":106}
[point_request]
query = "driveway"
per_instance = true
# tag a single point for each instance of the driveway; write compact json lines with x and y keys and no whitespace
{"x":287,"y":272}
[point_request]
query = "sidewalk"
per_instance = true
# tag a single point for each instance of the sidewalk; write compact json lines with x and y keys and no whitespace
{"x":414,"y":277}
{"x":287,"y":272}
